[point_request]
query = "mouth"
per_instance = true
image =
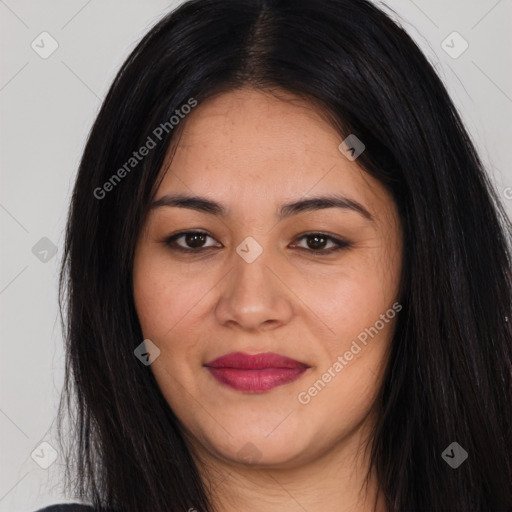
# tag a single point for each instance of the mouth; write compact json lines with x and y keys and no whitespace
{"x":255,"y":373}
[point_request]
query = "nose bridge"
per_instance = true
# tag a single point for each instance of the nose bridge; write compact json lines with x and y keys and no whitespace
{"x":252,"y":294}
{"x":251,"y":268}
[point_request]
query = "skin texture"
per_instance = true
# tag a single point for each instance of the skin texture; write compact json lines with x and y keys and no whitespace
{"x":252,"y":152}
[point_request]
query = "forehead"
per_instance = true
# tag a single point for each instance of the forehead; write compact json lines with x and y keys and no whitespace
{"x":246,"y":145}
{"x":250,"y":120}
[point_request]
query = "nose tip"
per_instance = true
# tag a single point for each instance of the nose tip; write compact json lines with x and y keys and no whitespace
{"x":252,"y":296}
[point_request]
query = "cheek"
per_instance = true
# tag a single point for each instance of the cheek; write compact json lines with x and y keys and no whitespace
{"x":348,"y":378}
{"x":167,"y":306}
{"x":354,"y":299}
{"x":363,"y":322}
{"x":164,"y":296}
{"x":358,"y":307}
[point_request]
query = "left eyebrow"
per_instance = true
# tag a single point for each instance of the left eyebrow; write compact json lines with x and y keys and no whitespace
{"x":320,"y":203}
{"x":286,"y":210}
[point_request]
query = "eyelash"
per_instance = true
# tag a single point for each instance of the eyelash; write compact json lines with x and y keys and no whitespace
{"x":339,"y":244}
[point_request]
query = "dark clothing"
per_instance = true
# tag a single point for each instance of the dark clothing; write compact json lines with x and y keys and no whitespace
{"x":67,"y":507}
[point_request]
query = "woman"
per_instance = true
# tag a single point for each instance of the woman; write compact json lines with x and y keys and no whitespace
{"x":287,"y":275}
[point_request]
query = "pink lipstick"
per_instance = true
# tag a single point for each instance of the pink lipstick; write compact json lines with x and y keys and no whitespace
{"x":255,"y":373}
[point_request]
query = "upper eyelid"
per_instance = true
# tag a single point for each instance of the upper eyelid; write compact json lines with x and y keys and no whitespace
{"x":176,"y":236}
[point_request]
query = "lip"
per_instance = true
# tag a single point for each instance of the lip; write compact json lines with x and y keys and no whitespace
{"x":255,"y":373}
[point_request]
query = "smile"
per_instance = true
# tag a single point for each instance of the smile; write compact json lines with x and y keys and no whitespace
{"x":255,"y":373}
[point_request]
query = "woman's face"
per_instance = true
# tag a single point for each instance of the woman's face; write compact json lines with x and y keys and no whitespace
{"x":263,"y":278}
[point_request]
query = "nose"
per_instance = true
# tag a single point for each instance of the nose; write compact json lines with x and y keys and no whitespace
{"x":254,"y":296}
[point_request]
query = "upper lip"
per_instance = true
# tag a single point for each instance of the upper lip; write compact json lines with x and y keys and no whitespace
{"x":261,"y":361}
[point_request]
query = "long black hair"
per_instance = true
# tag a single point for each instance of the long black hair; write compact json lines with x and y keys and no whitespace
{"x":448,"y":378}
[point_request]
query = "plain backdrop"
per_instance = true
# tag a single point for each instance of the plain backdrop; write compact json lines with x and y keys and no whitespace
{"x":47,"y":106}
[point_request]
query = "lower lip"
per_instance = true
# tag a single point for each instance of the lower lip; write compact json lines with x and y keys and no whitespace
{"x":256,"y":380}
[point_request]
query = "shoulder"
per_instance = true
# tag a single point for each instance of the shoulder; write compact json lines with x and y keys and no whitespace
{"x":67,"y":507}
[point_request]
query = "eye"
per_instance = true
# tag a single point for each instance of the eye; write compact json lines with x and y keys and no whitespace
{"x":193,"y":239}
{"x":316,"y":243}
{"x":193,"y":242}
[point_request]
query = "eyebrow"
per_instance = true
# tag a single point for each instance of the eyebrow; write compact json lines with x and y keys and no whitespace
{"x":205,"y":205}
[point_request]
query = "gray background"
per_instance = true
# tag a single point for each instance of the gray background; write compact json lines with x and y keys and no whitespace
{"x":47,"y":107}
